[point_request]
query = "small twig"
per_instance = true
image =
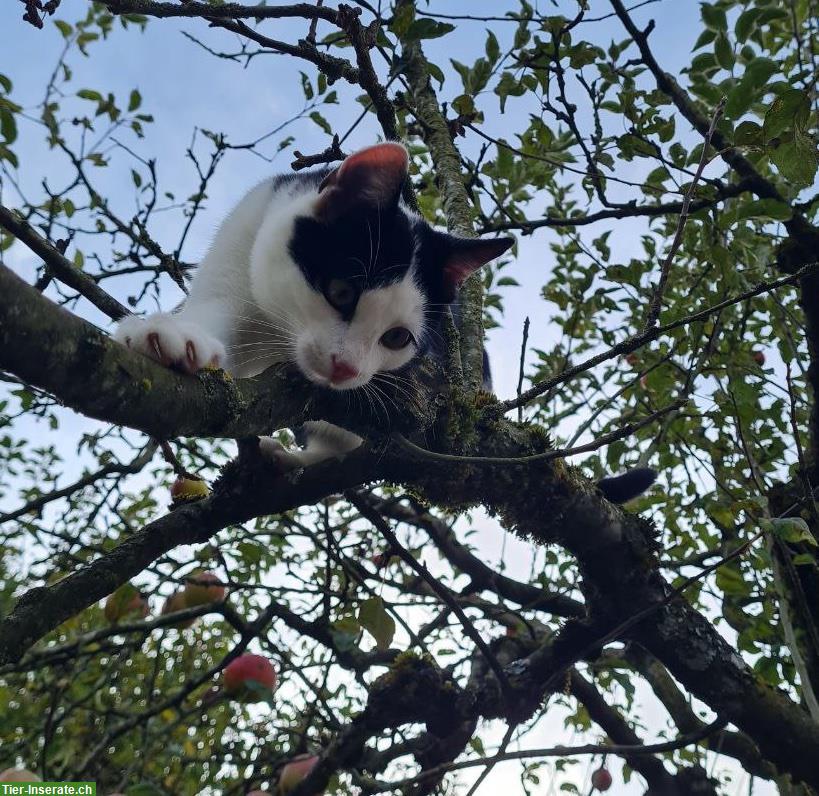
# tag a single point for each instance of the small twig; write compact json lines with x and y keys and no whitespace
{"x":311,"y":35}
{"x":170,"y":457}
{"x":559,"y":453}
{"x":657,"y":299}
{"x":495,"y":759}
{"x":331,"y":154}
{"x":565,"y":751}
{"x":522,"y":359}
{"x":58,"y":266}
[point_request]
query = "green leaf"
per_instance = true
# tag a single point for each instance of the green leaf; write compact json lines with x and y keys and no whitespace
{"x":508,"y":86}
{"x":436,"y":73}
{"x":134,"y":101}
{"x":65,"y":29}
{"x":793,"y":530}
{"x":477,"y":746}
{"x":748,"y":134}
{"x":789,"y":111}
{"x":706,"y":37}
{"x":713,"y":17}
{"x":306,"y":86}
{"x":748,"y":90}
{"x":492,"y":47}
{"x":90,"y":94}
{"x":729,"y":579}
{"x":402,"y":19}
{"x":745,"y":24}
{"x":796,"y":160}
{"x":427,"y":28}
{"x":8,"y":125}
{"x":724,"y":52}
{"x":804,"y":559}
{"x":377,"y":622}
{"x":321,"y":122}
{"x":766,"y":208}
{"x":464,"y":104}
{"x":582,"y":55}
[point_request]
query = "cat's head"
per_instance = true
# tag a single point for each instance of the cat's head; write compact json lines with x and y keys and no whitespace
{"x":379,"y":276}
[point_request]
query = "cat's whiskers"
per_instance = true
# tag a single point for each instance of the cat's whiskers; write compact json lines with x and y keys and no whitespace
{"x":373,"y":390}
{"x":378,"y":392}
{"x":266,"y":324}
{"x":267,"y":355}
{"x":261,"y":337}
{"x":407,"y":393}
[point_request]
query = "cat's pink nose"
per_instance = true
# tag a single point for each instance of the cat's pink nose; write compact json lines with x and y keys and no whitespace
{"x":342,"y":371}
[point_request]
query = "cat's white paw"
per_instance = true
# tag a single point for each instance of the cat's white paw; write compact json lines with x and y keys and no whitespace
{"x":324,"y":441}
{"x":172,"y":342}
{"x":284,"y":459}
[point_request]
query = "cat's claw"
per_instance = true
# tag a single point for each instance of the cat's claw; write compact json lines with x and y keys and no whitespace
{"x":171,"y":342}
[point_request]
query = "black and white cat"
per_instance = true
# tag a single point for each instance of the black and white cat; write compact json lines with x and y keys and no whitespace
{"x":326,"y":269}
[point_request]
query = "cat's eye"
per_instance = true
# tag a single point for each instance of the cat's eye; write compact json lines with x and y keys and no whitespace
{"x":397,"y":338}
{"x":341,"y":293}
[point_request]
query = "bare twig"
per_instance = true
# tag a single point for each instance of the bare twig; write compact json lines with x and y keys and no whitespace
{"x":59,"y":266}
{"x":331,"y":154}
{"x":523,"y":342}
{"x":657,"y":299}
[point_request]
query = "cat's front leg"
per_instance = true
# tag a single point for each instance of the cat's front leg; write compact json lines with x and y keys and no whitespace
{"x":172,"y":341}
{"x":324,"y":441}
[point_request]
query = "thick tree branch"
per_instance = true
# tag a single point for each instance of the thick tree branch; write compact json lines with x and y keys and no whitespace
{"x":226,"y":11}
{"x":50,"y":348}
{"x":455,"y":200}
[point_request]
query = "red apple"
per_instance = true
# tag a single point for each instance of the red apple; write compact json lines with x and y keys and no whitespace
{"x":176,"y":602}
{"x":203,"y":588}
{"x":185,"y":490}
{"x":381,"y":560}
{"x":127,"y":600}
{"x":601,"y":779}
{"x":759,"y":357}
{"x":18,"y":775}
{"x":295,"y":771}
{"x":249,"y":678}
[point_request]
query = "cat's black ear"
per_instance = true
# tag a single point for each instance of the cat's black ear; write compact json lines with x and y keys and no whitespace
{"x":370,"y":178}
{"x":467,"y":255}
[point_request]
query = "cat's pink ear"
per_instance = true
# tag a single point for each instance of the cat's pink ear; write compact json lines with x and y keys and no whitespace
{"x":467,"y":255}
{"x":372,"y":177}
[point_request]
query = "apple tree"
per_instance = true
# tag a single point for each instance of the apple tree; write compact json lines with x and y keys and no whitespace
{"x":454,"y":607}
